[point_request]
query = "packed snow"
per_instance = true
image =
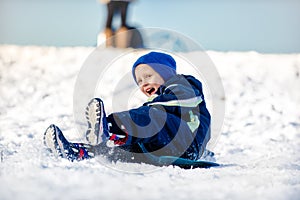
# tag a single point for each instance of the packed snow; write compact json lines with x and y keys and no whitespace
{"x":258,"y":145}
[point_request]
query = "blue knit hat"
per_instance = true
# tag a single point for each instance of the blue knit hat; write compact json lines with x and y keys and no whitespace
{"x":162,"y":63}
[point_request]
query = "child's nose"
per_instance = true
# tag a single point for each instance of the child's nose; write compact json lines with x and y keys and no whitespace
{"x":144,"y":83}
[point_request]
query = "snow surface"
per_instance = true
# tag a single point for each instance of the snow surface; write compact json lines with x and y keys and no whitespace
{"x":259,"y":143}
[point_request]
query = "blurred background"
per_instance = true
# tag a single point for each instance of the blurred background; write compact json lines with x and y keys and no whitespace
{"x":266,"y":26}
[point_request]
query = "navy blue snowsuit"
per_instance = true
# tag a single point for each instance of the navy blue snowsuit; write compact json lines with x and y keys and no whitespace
{"x":176,"y":122}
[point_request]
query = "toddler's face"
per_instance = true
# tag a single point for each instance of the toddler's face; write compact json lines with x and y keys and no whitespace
{"x":148,"y":79}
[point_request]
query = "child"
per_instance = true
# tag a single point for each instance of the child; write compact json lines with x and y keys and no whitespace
{"x":174,"y":122}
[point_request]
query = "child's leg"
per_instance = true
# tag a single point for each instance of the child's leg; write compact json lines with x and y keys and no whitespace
{"x":160,"y":132}
{"x":57,"y":144}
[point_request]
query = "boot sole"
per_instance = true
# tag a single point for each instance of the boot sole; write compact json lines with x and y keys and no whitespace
{"x":52,"y":141}
{"x":94,"y":115}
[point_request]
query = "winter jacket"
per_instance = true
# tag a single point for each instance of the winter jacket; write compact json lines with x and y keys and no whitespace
{"x":175,"y":122}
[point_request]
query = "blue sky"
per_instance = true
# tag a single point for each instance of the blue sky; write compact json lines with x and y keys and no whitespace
{"x":268,"y":26}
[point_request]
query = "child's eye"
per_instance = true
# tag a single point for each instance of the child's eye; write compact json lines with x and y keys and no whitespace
{"x":139,"y":82}
{"x":148,"y":75}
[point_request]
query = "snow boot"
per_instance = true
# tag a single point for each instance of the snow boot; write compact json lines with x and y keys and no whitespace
{"x":55,"y":141}
{"x":97,"y":131}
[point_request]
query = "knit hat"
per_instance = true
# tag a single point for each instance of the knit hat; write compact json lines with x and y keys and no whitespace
{"x":162,"y":63}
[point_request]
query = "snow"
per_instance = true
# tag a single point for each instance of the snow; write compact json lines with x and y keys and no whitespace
{"x":259,"y":143}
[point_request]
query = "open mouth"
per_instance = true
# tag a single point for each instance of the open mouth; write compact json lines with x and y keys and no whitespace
{"x":150,"y":91}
